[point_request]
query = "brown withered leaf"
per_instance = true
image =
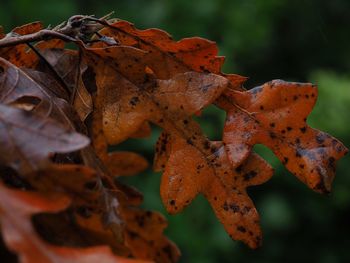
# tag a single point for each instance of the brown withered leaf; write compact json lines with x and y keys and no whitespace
{"x":68,"y":66}
{"x":16,"y":209}
{"x":275,"y":114}
{"x":36,"y":89}
{"x":27,"y":139}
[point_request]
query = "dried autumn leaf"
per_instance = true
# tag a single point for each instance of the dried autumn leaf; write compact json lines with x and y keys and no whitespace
{"x":189,"y":172}
{"x":125,"y":163}
{"x":71,"y":179}
{"x":127,"y":106}
{"x":169,"y":103}
{"x":145,"y":239}
{"x":117,"y":163}
{"x":143,"y":235}
{"x":165,"y":56}
{"x":275,"y":114}
{"x":16,"y":209}
{"x":21,"y":55}
{"x":68,"y":66}
{"x":27,"y":139}
{"x":17,"y":84}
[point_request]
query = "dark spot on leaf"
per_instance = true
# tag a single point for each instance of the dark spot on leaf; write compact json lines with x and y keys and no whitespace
{"x":189,"y":141}
{"x":303,"y":129}
{"x":91,"y":185}
{"x":132,"y":234}
{"x":297,"y":153}
{"x":206,"y":87}
{"x":239,"y":168}
{"x":272,"y":135}
{"x":134,"y":101}
{"x":225,"y":206}
{"x":249,"y":175}
{"x":234,"y":208}
{"x":241,"y":229}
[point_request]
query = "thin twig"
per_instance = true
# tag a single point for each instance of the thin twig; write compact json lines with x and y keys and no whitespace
{"x":40,"y":35}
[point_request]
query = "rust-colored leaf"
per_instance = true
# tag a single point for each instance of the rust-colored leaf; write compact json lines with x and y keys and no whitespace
{"x":166,"y":56}
{"x":126,"y":108}
{"x":188,"y":172}
{"x":21,"y":55}
{"x":144,"y":236}
{"x":275,"y":114}
{"x":16,"y":209}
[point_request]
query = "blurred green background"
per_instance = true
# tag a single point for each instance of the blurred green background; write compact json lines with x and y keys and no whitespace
{"x":267,"y":39}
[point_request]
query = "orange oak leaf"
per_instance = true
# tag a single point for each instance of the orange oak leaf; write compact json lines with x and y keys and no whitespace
{"x":143,"y":235}
{"x":125,"y":109}
{"x":169,"y":103}
{"x":145,"y":239}
{"x":188,"y":173}
{"x":167,"y":57}
{"x":125,"y":163}
{"x":16,"y":209}
{"x":72,"y":179}
{"x":275,"y":114}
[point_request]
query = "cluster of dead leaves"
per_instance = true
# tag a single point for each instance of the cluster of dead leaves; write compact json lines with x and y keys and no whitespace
{"x":60,"y":109}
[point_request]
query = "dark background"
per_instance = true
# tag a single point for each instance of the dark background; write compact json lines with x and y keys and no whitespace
{"x":267,"y":39}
